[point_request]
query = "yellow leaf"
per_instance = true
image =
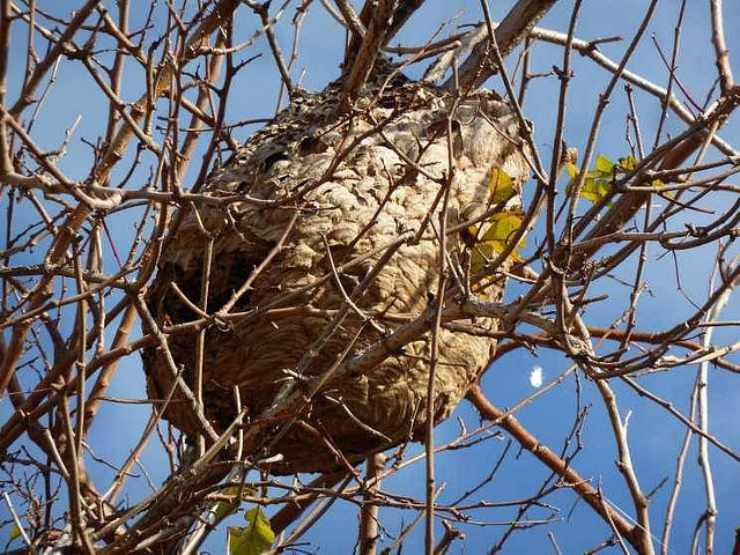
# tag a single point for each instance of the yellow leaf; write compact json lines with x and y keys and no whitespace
{"x":604,"y":165}
{"x":15,"y":532}
{"x":628,"y":163}
{"x":482,"y":253}
{"x":254,"y":539}
{"x":658,"y":184}
{"x":572,"y":170}
{"x":501,"y":228}
{"x":501,"y":185}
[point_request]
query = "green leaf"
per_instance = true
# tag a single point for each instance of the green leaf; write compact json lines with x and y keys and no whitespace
{"x":501,"y":228}
{"x":501,"y":186}
{"x":223,"y":508}
{"x":597,"y":183}
{"x":594,"y":189}
{"x":15,"y":532}
{"x":604,"y":165}
{"x":253,"y":539}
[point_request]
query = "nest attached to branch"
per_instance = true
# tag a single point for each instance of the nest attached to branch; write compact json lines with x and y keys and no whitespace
{"x":372,"y":196}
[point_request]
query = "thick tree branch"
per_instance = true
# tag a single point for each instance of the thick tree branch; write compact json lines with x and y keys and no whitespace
{"x":513,"y":29}
{"x":374,"y":39}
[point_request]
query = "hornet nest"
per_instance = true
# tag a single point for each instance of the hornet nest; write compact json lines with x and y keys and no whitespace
{"x":333,"y":189}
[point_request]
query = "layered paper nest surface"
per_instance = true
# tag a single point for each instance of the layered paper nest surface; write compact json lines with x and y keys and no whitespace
{"x":372,"y":197}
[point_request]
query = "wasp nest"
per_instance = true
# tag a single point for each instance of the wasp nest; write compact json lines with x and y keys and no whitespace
{"x":358,"y":182}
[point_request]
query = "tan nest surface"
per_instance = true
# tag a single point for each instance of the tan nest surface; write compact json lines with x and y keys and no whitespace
{"x":370,"y":199}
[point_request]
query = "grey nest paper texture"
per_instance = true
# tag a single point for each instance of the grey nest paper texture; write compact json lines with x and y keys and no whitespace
{"x":373,"y":193}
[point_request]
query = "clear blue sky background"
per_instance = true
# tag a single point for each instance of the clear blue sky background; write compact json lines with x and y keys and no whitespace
{"x":654,"y":435}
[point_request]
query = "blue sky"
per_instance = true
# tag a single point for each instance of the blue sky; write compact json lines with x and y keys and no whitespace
{"x":654,"y":435}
